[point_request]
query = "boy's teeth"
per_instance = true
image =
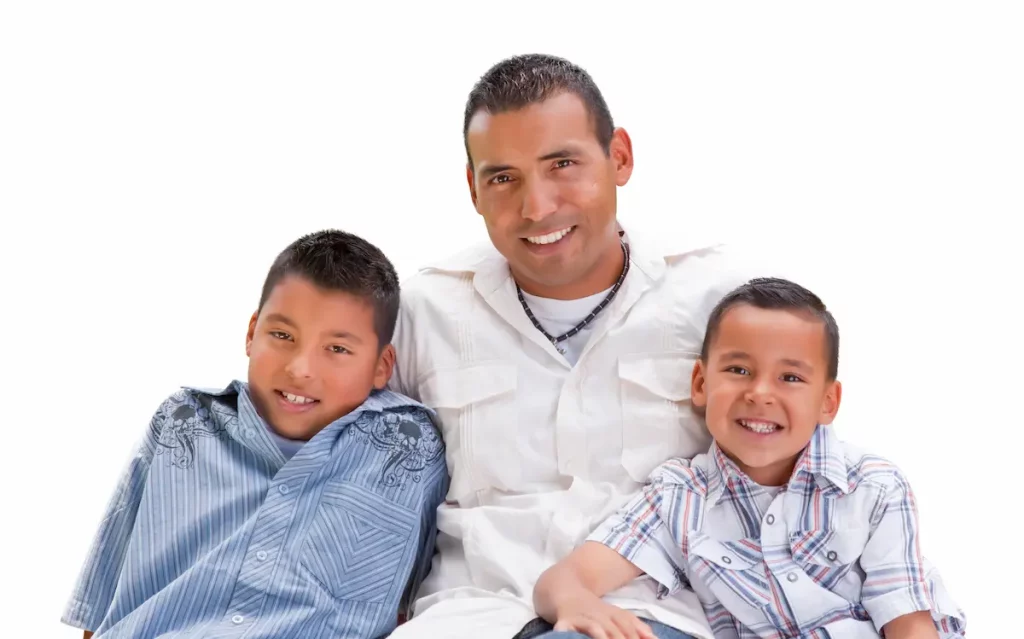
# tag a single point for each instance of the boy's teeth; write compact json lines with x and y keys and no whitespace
{"x":298,"y":399}
{"x":758,"y":427}
{"x":550,"y":238}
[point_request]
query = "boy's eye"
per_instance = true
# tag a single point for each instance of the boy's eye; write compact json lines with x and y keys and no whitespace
{"x":739,"y":370}
{"x":338,"y":349}
{"x":791,"y":378}
{"x":280,"y":335}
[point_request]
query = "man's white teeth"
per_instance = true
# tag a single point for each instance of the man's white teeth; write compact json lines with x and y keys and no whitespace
{"x":550,"y":238}
{"x":759,"y":427}
{"x":298,"y":399}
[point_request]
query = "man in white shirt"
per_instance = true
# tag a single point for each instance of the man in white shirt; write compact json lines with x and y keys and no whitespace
{"x":557,"y":357}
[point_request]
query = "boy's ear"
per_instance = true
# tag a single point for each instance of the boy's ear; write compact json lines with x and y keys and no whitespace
{"x":698,"y":395}
{"x":252,"y":332}
{"x":830,"y":403}
{"x":385,"y":367}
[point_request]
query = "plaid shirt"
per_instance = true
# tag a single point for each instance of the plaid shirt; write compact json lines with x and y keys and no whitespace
{"x":833,"y":554}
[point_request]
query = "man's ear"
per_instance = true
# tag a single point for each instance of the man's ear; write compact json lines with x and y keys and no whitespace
{"x":251,"y":333}
{"x":385,"y":367}
{"x":472,"y":183}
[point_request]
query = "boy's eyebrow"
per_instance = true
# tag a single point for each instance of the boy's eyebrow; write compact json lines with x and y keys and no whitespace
{"x":735,"y":355}
{"x":795,"y":363}
{"x":346,"y":335}
{"x":277,"y":317}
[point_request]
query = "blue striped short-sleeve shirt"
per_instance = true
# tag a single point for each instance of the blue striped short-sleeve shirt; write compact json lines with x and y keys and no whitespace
{"x":211,"y":532}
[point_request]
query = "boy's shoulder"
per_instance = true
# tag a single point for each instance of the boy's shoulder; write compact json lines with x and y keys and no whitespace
{"x":194,"y":404}
{"x":679,"y":473}
{"x":867,"y":469}
{"x":396,"y":422}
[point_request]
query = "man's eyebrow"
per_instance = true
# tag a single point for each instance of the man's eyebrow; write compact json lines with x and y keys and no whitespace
{"x":494,"y":169}
{"x":566,"y":151}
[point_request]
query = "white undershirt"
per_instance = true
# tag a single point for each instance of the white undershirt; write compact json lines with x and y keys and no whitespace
{"x":560,"y":316}
{"x":288,"y":446}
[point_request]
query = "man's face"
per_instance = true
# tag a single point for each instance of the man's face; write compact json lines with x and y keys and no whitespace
{"x":313,"y":357}
{"x":546,"y":191}
{"x":765,"y":389}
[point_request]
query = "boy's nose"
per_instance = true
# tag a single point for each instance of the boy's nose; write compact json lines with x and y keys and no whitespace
{"x":298,"y":367}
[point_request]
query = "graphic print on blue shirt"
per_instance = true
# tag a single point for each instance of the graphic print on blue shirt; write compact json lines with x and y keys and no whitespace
{"x":176,"y":434}
{"x":213,"y":532}
{"x":411,"y":448}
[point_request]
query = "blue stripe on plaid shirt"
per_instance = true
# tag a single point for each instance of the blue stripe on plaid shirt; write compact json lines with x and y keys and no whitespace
{"x":833,"y":554}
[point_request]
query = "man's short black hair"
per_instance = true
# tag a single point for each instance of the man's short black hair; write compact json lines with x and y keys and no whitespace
{"x":778,"y":294}
{"x":339,"y":261}
{"x":522,"y":80}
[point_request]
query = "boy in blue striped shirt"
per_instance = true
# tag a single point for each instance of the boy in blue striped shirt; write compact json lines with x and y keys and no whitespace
{"x":300,"y":503}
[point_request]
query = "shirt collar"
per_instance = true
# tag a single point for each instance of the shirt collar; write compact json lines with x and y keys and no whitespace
{"x":379,"y":401}
{"x":490,"y":271}
{"x":823,"y":459}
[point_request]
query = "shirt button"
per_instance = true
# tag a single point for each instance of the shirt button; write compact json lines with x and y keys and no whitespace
{"x":770,"y":519}
{"x":726,"y":560}
{"x":248,"y":433}
{"x":283,"y":489}
{"x":792,"y":576}
{"x":237,"y":619}
{"x":832,"y":555}
{"x":261,"y":555}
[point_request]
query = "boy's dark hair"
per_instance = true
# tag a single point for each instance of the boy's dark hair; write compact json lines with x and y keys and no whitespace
{"x":780,"y":294}
{"x":522,"y":80}
{"x":339,"y":261}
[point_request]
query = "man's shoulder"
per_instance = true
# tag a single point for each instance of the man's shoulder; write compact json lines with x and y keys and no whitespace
{"x":453,"y":268}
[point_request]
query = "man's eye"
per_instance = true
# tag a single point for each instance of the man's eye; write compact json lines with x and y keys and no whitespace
{"x":561,"y":164}
{"x":339,"y":349}
{"x":500,"y":179}
{"x":280,"y":335}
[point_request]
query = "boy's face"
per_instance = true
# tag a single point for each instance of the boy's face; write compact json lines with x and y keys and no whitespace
{"x":313,"y":357}
{"x":765,"y":388}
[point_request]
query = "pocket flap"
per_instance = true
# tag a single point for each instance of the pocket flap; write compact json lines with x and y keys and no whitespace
{"x":666,"y":375}
{"x":738,"y":554}
{"x":460,"y":387}
{"x":834,"y":547}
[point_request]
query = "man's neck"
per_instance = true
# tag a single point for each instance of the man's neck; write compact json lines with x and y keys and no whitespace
{"x":600,"y":278}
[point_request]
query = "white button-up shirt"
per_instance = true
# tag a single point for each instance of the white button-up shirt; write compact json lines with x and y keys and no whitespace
{"x":540,"y":452}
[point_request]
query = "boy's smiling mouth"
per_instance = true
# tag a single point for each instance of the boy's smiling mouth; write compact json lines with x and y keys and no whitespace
{"x":294,"y":402}
{"x":759,"y":426}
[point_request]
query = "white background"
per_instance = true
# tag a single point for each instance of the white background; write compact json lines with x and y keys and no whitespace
{"x":154,"y":158}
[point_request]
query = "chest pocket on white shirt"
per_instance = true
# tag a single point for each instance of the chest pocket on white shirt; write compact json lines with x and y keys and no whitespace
{"x":657,"y":420}
{"x":476,"y":406}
